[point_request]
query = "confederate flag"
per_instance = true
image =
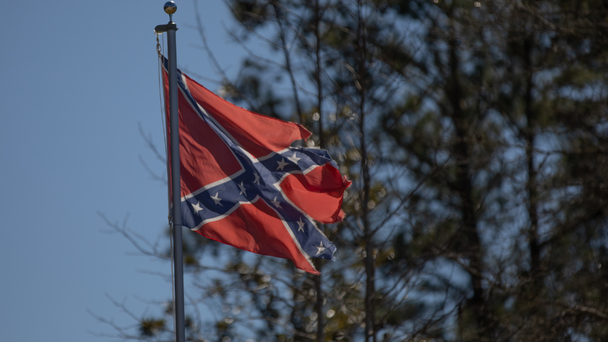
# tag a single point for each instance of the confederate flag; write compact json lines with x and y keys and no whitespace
{"x":243,"y":184}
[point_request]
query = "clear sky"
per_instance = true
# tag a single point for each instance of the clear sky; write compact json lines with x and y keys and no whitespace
{"x":76,"y":79}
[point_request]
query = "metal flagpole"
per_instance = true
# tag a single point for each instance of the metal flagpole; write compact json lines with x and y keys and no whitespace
{"x":170,"y":28}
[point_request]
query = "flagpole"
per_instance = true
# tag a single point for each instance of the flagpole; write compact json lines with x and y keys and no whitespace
{"x":178,"y":258}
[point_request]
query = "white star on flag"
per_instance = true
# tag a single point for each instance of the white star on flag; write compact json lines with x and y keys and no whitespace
{"x":300,"y":225}
{"x":257,"y":178}
{"x":197,"y":207}
{"x":276,"y":203}
{"x":320,"y":248}
{"x":294,"y":159}
{"x":216,"y":199}
{"x":242,"y":189}
{"x":282,"y":164}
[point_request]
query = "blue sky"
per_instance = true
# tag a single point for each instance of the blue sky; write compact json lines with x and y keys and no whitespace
{"x":76,"y":79}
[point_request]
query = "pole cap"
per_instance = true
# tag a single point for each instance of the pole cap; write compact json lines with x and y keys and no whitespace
{"x":170,"y":7}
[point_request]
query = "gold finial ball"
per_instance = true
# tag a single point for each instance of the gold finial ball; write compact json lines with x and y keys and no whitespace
{"x":170,"y":7}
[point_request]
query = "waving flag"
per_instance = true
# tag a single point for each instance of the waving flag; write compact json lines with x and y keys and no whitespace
{"x":243,"y":184}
